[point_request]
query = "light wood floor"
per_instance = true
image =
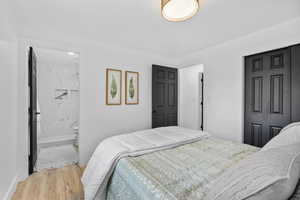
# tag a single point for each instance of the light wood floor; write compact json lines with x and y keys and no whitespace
{"x":53,"y":184}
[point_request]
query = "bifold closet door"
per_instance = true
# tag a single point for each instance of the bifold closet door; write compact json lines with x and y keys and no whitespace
{"x":295,"y":76}
{"x":267,"y":95}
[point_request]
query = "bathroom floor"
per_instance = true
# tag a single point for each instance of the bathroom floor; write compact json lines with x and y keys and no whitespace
{"x":56,"y":157}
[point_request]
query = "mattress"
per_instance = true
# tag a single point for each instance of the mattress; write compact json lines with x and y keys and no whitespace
{"x":181,"y":173}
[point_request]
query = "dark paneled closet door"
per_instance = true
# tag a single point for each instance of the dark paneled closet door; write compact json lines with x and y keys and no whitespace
{"x":164,"y":96}
{"x":267,"y":95}
{"x":295,"y":75}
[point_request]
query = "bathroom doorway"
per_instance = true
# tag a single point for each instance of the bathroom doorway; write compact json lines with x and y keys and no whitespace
{"x":54,"y":128}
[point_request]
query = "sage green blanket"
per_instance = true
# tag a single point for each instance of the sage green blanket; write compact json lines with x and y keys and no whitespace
{"x":181,"y":173}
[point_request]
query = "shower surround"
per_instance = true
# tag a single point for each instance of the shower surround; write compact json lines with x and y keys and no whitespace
{"x":58,"y":99}
{"x":58,"y":93}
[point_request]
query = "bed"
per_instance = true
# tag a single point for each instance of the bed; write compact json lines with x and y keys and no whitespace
{"x":180,"y":173}
{"x":189,"y":171}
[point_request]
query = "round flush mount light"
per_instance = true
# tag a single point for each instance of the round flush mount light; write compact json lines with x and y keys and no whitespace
{"x":71,"y":53}
{"x":179,"y":10}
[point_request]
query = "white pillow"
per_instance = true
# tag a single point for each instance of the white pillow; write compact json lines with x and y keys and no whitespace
{"x":266,"y":175}
{"x":288,"y":135}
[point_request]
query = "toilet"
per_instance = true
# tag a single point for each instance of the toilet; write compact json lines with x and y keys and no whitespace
{"x":76,"y":133}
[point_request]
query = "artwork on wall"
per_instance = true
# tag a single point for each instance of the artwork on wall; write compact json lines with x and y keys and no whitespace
{"x":131,"y":87}
{"x":113,"y":87}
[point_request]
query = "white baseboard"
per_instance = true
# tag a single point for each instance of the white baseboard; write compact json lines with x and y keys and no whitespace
{"x":12,"y":188}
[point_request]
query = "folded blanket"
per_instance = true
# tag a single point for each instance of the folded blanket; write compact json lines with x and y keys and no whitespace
{"x":111,"y":150}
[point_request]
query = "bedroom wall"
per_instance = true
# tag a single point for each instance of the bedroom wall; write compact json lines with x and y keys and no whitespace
{"x":224,"y":76}
{"x":97,"y":121}
{"x":8,"y":115}
{"x":190,"y":96}
{"x":8,"y":104}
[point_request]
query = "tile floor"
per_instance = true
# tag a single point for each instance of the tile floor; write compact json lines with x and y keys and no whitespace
{"x":56,"y":157}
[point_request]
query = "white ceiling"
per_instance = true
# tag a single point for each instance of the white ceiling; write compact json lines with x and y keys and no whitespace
{"x":137,"y":24}
{"x":51,"y":56}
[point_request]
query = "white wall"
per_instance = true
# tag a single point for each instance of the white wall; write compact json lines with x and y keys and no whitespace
{"x":224,"y":76}
{"x":8,"y":104}
{"x":97,"y":121}
{"x":8,"y":122}
{"x":190,"y":96}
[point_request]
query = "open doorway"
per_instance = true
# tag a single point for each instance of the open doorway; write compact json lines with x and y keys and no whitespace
{"x":191,"y":81}
{"x":54,"y":108}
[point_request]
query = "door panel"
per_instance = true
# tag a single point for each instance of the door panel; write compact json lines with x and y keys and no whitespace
{"x":274,"y":131}
{"x":257,"y":90}
{"x":171,"y":96}
{"x":267,"y":95}
{"x":295,"y":73}
{"x":256,"y":133}
{"x":164,"y":96}
{"x":32,"y":110}
{"x":276,"y":94}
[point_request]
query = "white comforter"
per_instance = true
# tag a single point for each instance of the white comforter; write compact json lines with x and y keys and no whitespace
{"x":111,"y":150}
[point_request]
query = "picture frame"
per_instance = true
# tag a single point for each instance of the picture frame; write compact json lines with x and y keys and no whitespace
{"x":131,"y":88}
{"x":113,"y":87}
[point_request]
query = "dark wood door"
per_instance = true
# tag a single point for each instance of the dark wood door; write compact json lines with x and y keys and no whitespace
{"x":32,"y":110}
{"x":267,"y":95}
{"x":295,"y":75}
{"x":164,"y":96}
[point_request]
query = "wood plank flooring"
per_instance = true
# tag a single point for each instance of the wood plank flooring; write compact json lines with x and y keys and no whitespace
{"x":53,"y":184}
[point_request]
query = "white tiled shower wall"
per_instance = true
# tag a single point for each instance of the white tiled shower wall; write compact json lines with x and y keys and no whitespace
{"x":58,"y":73}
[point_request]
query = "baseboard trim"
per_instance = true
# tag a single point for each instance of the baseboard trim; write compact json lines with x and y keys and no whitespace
{"x":12,"y":188}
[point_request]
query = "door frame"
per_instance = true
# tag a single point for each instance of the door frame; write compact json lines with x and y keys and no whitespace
{"x":23,"y":94}
{"x":23,"y":49}
{"x":202,"y":102}
{"x":31,"y":159}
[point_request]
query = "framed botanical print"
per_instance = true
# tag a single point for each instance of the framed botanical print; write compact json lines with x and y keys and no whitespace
{"x":131,"y":87}
{"x":113,"y":87}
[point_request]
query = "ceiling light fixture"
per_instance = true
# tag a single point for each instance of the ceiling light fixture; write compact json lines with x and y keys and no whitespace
{"x":179,"y":10}
{"x":71,"y":53}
